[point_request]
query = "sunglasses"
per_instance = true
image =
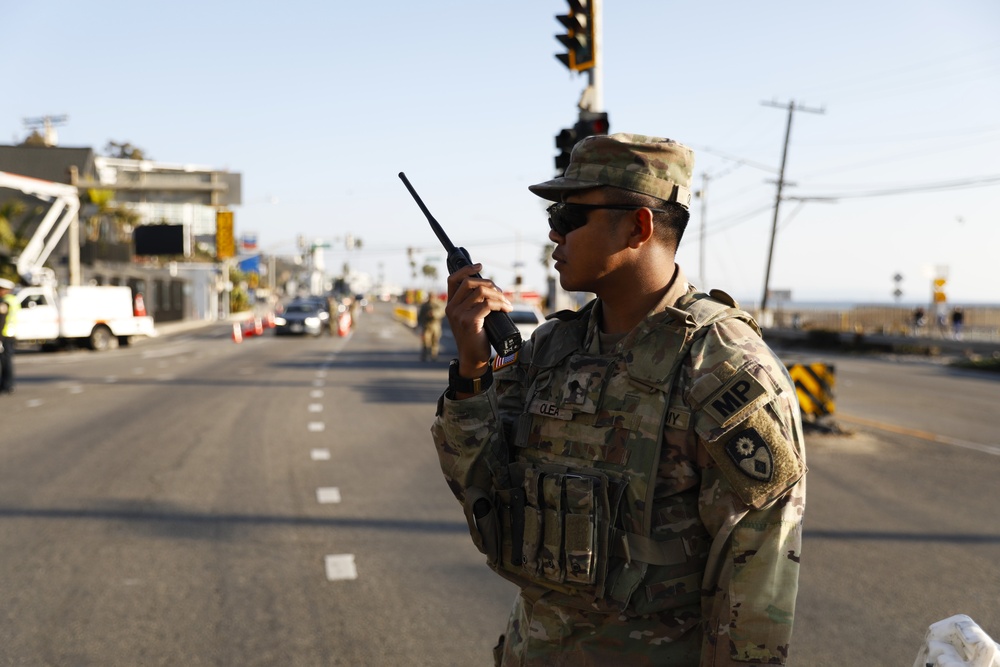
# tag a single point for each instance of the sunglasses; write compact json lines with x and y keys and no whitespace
{"x":564,"y":217}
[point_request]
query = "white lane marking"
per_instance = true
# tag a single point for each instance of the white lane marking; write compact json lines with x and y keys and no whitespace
{"x":321,"y":374}
{"x":111,"y":379}
{"x":165,"y":352}
{"x":316,"y":393}
{"x":955,"y":442}
{"x":320,"y":454}
{"x":318,"y":383}
{"x":340,"y":566}
{"x":76,"y":389}
{"x":315,"y":407}
{"x":328,"y":495}
{"x":138,"y":370}
{"x":925,"y":435}
{"x":316,"y":427}
{"x":34,"y":403}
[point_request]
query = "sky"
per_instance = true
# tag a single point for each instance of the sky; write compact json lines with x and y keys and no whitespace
{"x":893,"y":152}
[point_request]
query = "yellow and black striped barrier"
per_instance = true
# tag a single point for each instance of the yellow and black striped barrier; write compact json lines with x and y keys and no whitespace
{"x":814,"y":385}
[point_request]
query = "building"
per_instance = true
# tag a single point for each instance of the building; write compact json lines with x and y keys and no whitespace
{"x":118,"y":194}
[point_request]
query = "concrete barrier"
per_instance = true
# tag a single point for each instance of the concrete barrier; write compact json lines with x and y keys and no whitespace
{"x":406,"y":314}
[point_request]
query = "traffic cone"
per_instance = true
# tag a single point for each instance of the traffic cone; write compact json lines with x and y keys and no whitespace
{"x":258,"y":327}
{"x":237,"y":333}
{"x":344,"y":324}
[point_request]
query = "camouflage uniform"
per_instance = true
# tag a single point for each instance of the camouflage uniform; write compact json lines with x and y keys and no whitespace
{"x":694,"y":424}
{"x":429,"y":320}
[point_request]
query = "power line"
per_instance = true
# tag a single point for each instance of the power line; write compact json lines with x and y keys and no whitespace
{"x":975,"y":182}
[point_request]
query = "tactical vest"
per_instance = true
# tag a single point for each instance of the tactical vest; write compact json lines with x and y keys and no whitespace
{"x":574,"y":516}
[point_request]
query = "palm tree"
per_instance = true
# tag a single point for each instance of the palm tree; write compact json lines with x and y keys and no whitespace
{"x":9,"y":210}
{"x":111,"y":222}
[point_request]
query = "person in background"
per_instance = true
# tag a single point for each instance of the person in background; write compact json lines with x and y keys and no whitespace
{"x":9,"y":309}
{"x":638,"y":467}
{"x":429,"y":322}
{"x":957,"y":321}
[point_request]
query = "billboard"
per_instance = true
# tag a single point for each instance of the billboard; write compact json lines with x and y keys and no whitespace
{"x":160,"y":240}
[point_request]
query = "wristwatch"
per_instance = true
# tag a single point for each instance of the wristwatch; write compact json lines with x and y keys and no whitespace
{"x":457,"y":383}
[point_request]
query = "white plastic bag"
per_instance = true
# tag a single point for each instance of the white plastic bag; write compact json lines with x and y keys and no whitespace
{"x":958,"y":642}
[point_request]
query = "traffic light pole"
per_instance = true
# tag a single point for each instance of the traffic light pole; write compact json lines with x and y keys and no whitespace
{"x":584,"y":53}
{"x":595,"y":74}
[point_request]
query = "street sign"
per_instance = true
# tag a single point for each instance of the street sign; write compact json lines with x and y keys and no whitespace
{"x":225,"y":242}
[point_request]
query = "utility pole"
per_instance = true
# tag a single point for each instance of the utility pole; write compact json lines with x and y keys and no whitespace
{"x":792,"y":108}
{"x":703,"y":195}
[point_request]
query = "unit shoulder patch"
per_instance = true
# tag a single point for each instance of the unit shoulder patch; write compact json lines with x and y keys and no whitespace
{"x":757,"y":459}
{"x":751,"y":455}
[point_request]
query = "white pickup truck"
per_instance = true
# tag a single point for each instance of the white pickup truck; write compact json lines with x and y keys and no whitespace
{"x":101,"y":317}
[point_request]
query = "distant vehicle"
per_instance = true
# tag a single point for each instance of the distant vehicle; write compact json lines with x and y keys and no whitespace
{"x":99,"y":317}
{"x":301,"y":318}
{"x":526,"y":318}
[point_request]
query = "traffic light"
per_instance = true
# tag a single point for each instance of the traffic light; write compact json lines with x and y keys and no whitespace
{"x":565,"y":141}
{"x":592,"y":123}
{"x":579,"y":37}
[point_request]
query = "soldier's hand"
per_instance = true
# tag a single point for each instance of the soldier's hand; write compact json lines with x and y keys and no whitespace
{"x":470,"y":300}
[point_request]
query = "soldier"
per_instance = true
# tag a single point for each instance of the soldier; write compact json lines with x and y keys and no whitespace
{"x":429,"y":321}
{"x":9,"y":308}
{"x":656,"y":518}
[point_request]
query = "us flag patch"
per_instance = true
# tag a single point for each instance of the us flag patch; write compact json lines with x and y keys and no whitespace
{"x":499,"y":362}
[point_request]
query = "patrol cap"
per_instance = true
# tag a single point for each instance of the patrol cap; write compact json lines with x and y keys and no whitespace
{"x":651,"y":166}
{"x":6,"y":284}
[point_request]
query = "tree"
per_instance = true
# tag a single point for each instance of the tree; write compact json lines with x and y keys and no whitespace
{"x":15,"y":222}
{"x":8,"y":211}
{"x":125,"y":150}
{"x":111,"y":222}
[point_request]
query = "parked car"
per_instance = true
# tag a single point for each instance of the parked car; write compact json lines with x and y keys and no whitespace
{"x":527,"y":318}
{"x":302,"y":317}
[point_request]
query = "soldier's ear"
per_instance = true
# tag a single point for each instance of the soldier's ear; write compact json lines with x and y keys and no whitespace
{"x":642,"y":226}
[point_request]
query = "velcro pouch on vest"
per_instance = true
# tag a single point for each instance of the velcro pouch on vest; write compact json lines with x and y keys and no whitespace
{"x":563,"y":543}
{"x":579,"y":529}
{"x":551,"y":553}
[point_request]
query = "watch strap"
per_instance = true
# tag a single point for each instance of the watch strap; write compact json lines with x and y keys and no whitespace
{"x":459,"y":384}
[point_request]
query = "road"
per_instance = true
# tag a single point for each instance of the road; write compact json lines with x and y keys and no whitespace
{"x":189,"y":500}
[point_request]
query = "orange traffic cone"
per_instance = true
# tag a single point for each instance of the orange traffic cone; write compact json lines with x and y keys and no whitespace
{"x":258,"y":327}
{"x":237,"y":333}
{"x":344,"y":324}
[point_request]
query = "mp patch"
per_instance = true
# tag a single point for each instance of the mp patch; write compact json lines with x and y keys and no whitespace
{"x":733,"y":400}
{"x":752,"y":456}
